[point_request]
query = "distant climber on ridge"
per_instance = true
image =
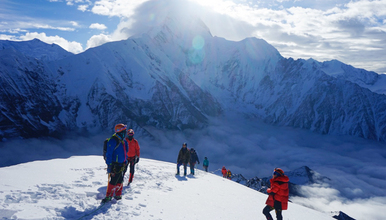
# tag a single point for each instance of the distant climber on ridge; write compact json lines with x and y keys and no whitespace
{"x":183,"y":158}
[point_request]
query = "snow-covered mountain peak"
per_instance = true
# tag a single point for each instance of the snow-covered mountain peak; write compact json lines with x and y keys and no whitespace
{"x":305,"y":175}
{"x":168,"y":20}
{"x":37,"y":49}
{"x":177,"y":75}
{"x":366,"y":79}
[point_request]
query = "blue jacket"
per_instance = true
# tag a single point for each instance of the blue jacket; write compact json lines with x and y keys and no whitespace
{"x":117,"y":154}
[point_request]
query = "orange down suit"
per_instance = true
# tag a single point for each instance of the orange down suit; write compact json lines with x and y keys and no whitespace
{"x":279,"y":191}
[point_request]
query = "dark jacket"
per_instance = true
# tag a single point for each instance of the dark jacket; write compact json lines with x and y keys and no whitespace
{"x":279,"y":191}
{"x":183,"y":155}
{"x":193,"y":156}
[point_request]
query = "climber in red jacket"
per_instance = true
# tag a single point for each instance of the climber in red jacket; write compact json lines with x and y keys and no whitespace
{"x":132,"y":154}
{"x":278,"y":195}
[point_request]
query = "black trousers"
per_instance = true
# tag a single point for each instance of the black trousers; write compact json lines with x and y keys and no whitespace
{"x":131,"y":164}
{"x":277,"y":207}
{"x":117,"y":172}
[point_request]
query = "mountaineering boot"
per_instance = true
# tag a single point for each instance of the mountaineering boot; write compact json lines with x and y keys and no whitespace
{"x":107,"y":199}
{"x":117,"y":197}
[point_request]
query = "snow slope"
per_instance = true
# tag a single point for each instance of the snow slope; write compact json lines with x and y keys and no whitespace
{"x":73,"y":188}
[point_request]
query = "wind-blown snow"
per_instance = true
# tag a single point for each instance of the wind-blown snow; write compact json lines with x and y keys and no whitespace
{"x":73,"y":188}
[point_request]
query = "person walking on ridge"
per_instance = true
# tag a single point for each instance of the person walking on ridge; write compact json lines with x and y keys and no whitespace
{"x":133,"y":153}
{"x":224,"y":172}
{"x":278,"y":195}
{"x":183,"y":158}
{"x":229,"y":174}
{"x":115,"y":161}
{"x":193,"y":160}
{"x":205,"y":164}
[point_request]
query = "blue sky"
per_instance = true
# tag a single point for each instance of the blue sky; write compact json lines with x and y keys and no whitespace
{"x":353,"y":32}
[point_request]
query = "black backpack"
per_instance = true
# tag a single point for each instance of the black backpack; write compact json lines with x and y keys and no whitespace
{"x":105,"y":145}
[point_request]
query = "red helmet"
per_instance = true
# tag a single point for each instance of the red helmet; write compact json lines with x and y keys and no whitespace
{"x":278,"y":171}
{"x":119,"y":128}
{"x":130,"y":132}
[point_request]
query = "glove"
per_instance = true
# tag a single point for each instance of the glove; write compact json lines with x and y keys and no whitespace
{"x":109,"y":168}
{"x":137,"y":160}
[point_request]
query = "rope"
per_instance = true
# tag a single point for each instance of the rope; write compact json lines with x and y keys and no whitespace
{"x":100,"y":206}
{"x":103,"y":204}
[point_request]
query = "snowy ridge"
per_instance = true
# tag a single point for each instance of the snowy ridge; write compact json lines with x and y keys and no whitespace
{"x":36,"y":49}
{"x":366,"y":79}
{"x":73,"y":188}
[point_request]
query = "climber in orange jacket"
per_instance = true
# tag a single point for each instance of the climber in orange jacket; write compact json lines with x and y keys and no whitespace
{"x":278,"y":195}
{"x":133,"y":153}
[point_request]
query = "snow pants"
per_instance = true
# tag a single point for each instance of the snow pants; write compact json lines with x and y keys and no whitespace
{"x":192,"y":168}
{"x":131,"y":163}
{"x":115,"y":180}
{"x":277,"y":207}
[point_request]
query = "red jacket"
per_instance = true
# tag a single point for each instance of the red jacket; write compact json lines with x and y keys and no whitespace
{"x":224,"y":171}
{"x":279,"y":191}
{"x":133,"y":148}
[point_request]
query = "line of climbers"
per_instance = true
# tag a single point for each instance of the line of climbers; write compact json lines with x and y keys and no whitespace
{"x":189,"y":156}
{"x":122,"y":151}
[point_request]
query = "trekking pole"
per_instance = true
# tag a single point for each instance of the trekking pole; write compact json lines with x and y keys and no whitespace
{"x":108,"y":182}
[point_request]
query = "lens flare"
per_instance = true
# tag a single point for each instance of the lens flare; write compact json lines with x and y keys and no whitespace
{"x":151,"y":17}
{"x":198,"y":42}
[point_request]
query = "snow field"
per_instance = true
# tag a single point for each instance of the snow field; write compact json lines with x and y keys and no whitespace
{"x":73,"y":188}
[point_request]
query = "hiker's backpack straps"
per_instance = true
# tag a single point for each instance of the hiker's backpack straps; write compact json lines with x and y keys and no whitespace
{"x":105,"y":144}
